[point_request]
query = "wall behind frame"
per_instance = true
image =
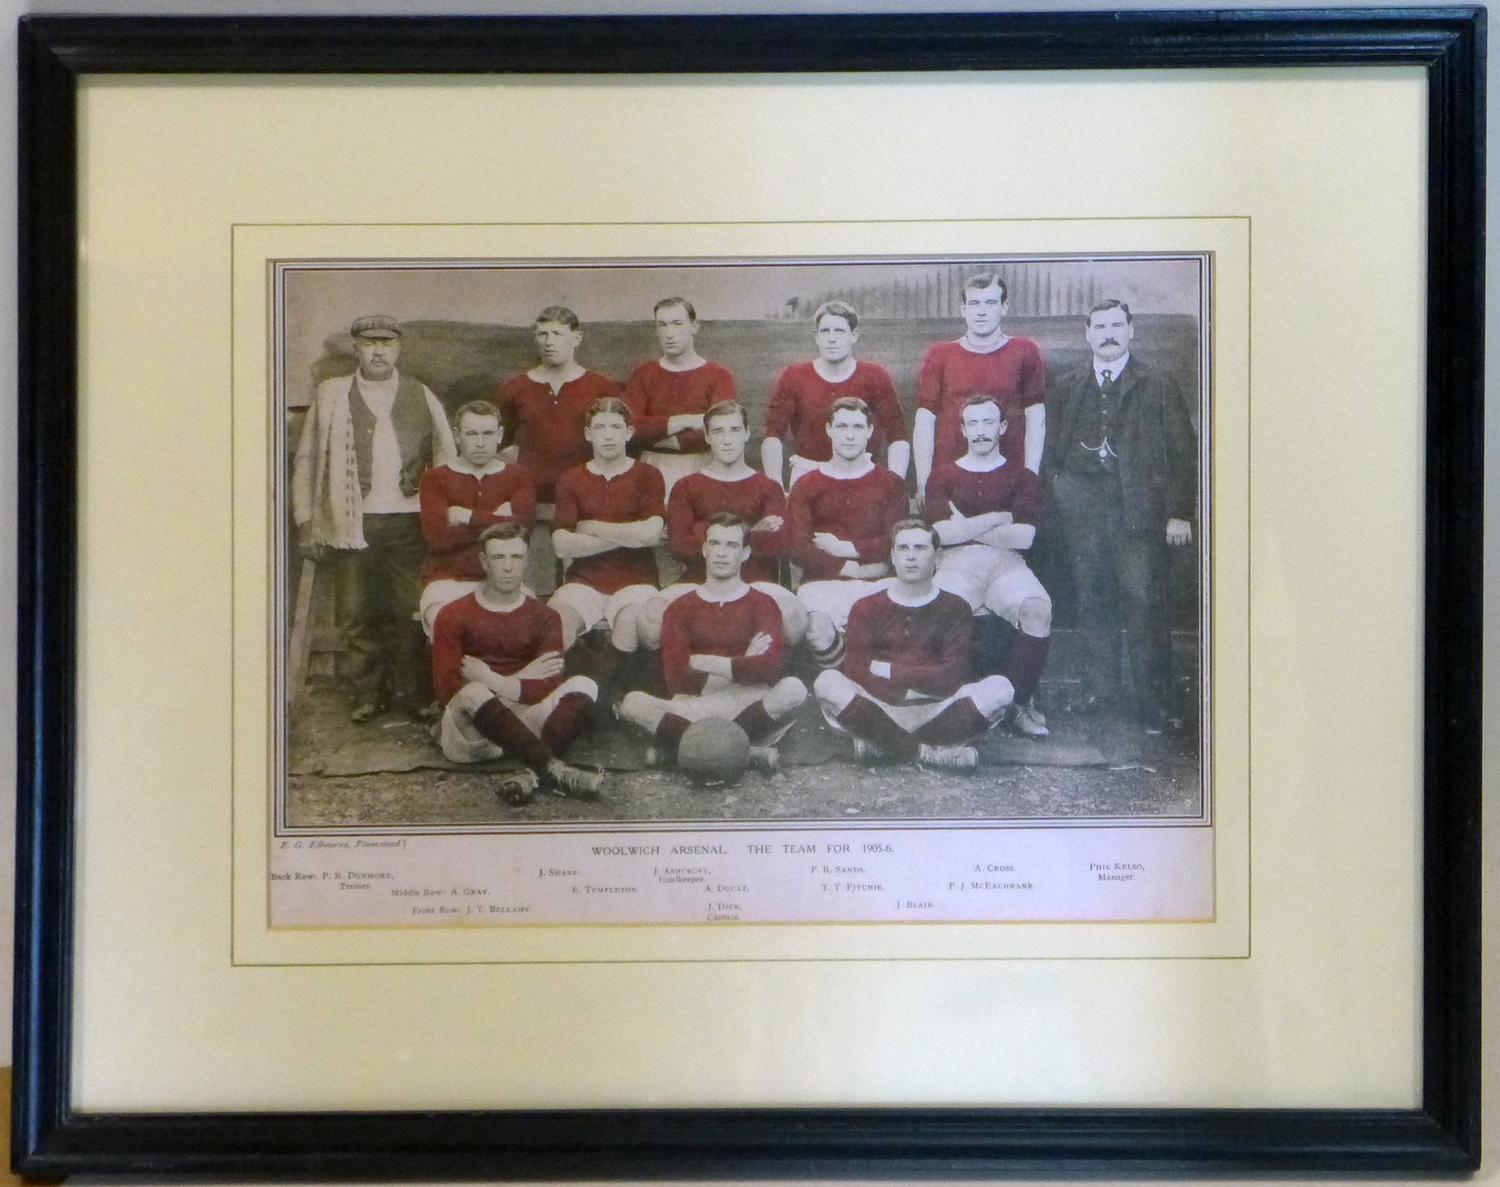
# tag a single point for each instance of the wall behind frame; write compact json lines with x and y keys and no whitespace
{"x":10,"y":10}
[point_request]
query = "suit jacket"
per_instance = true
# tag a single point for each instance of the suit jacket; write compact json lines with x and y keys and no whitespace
{"x":1157,"y":448}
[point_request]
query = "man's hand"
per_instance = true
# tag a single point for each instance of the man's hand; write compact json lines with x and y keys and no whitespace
{"x":768,"y":523}
{"x":476,"y":671}
{"x":310,"y":549}
{"x":833,"y":546}
{"x":457,"y":515}
{"x":1179,"y":532}
{"x":881,"y":668}
{"x":543,"y":667}
{"x":758,"y":645}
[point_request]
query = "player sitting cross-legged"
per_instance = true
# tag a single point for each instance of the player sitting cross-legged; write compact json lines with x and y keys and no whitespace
{"x":726,"y":484}
{"x":497,"y":665}
{"x":722,"y":655}
{"x":607,"y":523}
{"x":903,"y":691}
{"x":985,"y":511}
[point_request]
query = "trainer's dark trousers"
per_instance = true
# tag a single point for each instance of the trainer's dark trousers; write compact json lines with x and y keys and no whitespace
{"x":1119,"y":581}
{"x":376,"y":593}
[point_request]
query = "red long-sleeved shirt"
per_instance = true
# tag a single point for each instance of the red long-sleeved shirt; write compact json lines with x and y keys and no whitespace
{"x":639,"y":493}
{"x":453,"y":548}
{"x":951,"y":373}
{"x":860,"y":510}
{"x":694,"y":625}
{"x":699,"y":496}
{"x":802,"y":398}
{"x":927,"y":646}
{"x":547,"y":430}
{"x":1011,"y":487}
{"x":507,"y":640}
{"x":655,"y":395}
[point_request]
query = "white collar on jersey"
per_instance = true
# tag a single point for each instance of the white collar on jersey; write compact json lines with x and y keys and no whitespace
{"x":865,"y":466}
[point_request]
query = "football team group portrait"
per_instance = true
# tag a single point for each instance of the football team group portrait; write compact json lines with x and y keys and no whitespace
{"x":763,"y":541}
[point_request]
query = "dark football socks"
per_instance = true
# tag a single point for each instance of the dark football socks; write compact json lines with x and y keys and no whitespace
{"x":955,"y":725}
{"x":755,"y":721}
{"x":566,"y":722}
{"x":865,"y":719}
{"x":669,"y":731}
{"x":1027,"y":655}
{"x":509,"y":732}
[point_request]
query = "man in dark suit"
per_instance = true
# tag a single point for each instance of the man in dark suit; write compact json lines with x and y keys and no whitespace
{"x":1122,"y":463}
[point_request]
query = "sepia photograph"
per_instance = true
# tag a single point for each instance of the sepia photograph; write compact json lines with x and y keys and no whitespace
{"x":760,"y":541}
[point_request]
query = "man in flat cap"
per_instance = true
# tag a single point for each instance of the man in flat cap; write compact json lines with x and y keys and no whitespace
{"x":366,"y":442}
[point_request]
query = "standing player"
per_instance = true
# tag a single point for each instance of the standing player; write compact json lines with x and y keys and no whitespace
{"x":607,"y":524}
{"x":460,"y":499}
{"x":806,"y":391}
{"x":989,"y":510}
{"x":902,"y":692}
{"x":669,"y":395}
{"x":497,"y":665}
{"x":722,"y":655}
{"x":727,"y":484}
{"x":988,"y":361}
{"x":840,"y":517}
{"x":542,"y":410}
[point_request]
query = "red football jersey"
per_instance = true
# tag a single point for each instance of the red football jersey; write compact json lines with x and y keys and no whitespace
{"x":638,"y":493}
{"x":951,"y":373}
{"x":547,"y":430}
{"x":800,"y":404}
{"x":1009,"y":487}
{"x":655,"y":395}
{"x":507,"y":640}
{"x":453,"y":548}
{"x":860,"y":510}
{"x":927,"y":646}
{"x":698,"y":496}
{"x":696,"y":626}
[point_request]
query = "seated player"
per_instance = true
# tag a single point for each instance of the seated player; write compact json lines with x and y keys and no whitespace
{"x":805,"y":391}
{"x":985,"y":511}
{"x":840,"y":516}
{"x":722,"y":655}
{"x":497,"y":665}
{"x":726,"y":483}
{"x":669,"y":395}
{"x":606,"y":525}
{"x":460,"y":499}
{"x":902,"y":691}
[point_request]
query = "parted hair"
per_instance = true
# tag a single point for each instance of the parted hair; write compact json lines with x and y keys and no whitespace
{"x":607,"y":404}
{"x":727,"y":519}
{"x":850,"y":404}
{"x":839,"y":309}
{"x":726,"y":408}
{"x":913,"y":524}
{"x":558,"y":313}
{"x":668,"y":302}
{"x":986,"y":280}
{"x":475,"y":408}
{"x":1112,"y":303}
{"x":979,"y":398}
{"x":509,"y":530}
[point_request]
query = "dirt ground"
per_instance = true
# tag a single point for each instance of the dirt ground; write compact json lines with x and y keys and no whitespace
{"x":389,"y":773}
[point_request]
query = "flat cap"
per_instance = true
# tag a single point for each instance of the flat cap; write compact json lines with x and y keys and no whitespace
{"x":377,"y":325}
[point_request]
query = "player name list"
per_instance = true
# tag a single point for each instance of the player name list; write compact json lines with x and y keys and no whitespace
{"x":714,"y":877}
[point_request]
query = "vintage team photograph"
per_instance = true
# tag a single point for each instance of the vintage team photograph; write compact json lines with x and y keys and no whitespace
{"x":708,"y":542}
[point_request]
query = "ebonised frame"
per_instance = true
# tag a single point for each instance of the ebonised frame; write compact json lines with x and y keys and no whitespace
{"x":1442,"y":1136}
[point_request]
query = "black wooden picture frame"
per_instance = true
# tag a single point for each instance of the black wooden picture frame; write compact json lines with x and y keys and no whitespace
{"x":1442,"y":1136}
